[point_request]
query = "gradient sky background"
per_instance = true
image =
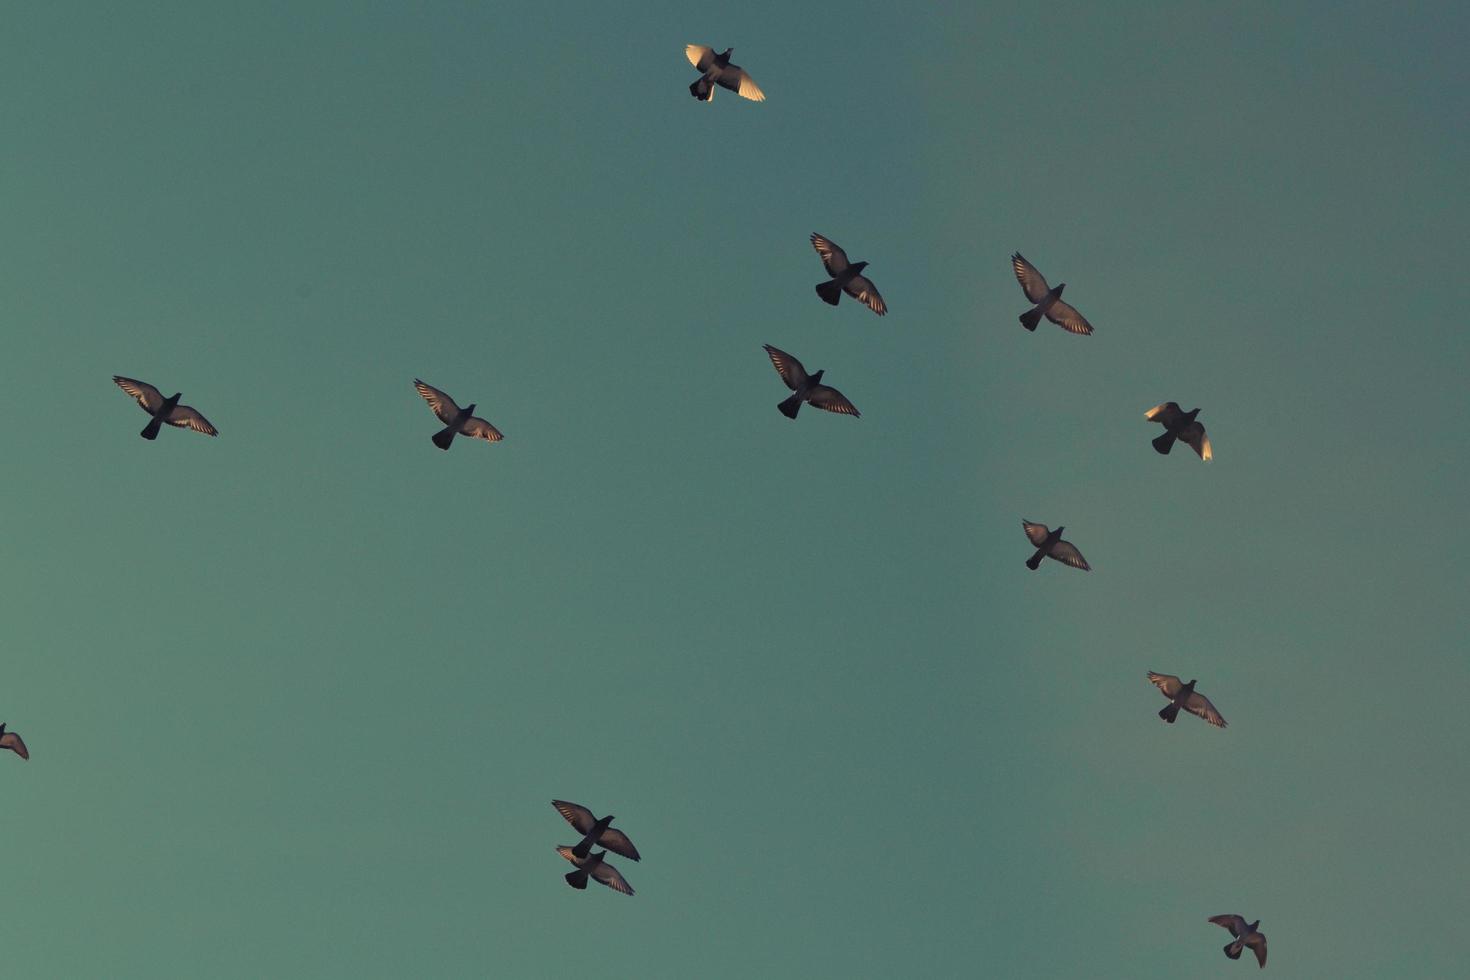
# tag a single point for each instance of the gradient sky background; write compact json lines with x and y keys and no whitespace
{"x":298,"y":698}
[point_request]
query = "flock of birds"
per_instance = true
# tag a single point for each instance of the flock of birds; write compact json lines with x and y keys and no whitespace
{"x":717,"y":71}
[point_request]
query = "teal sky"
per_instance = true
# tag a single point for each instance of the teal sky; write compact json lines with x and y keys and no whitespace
{"x":298,"y":698}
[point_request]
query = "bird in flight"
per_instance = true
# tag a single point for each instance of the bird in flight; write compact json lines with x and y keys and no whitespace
{"x":1049,"y":544}
{"x":151,"y":400}
{"x":715,"y":69}
{"x":1179,"y":424}
{"x":846,"y":278}
{"x":1245,"y":935}
{"x":1048,"y":300}
{"x":1184,"y":696}
{"x":595,"y":831}
{"x":457,"y":421}
{"x":13,"y":742}
{"x":807,"y":387}
{"x":596,"y":867}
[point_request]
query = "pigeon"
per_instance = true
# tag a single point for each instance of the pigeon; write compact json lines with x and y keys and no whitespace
{"x":457,"y":421}
{"x":151,"y":400}
{"x":716,"y":70}
{"x":595,"y":831}
{"x":1048,"y":301}
{"x":1183,"y":695}
{"x":13,"y":742}
{"x":1049,"y":544}
{"x":1245,"y":935}
{"x":1179,"y":424}
{"x":846,"y":277}
{"x":596,"y":867}
{"x":808,"y":387}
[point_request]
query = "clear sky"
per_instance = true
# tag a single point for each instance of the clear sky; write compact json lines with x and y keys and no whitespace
{"x":298,"y":698}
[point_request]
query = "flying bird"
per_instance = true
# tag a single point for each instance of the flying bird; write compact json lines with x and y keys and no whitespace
{"x":807,"y":387}
{"x":1245,"y":935}
{"x":1179,"y":424}
{"x":1049,"y":544}
{"x":846,"y":278}
{"x":597,"y":868}
{"x":1048,"y":300}
{"x":151,"y":400}
{"x":715,"y":69}
{"x":595,"y":831}
{"x":457,"y":421}
{"x":13,"y":742}
{"x":1184,"y":696}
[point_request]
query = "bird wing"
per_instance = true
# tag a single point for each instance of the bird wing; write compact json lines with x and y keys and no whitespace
{"x":617,"y":842}
{"x":148,"y":396}
{"x":1065,"y":315}
{"x":1234,"y":923}
{"x":734,"y":78}
{"x":1163,"y":414}
{"x":188,"y":417}
{"x":13,"y":742}
{"x":1198,"y":704}
{"x":477,"y":428}
{"x":787,"y":366}
{"x":1033,"y":283}
{"x":442,"y":404}
{"x":861,"y":288}
{"x":579,"y":817}
{"x":612,"y":878}
{"x":1067,"y":553}
{"x":1194,"y":437}
{"x":1036,"y":532}
{"x":1257,"y":942}
{"x":1168,"y":684}
{"x":567,"y":852}
{"x":700,"y":56}
{"x":833,"y":257}
{"x":832,"y":400}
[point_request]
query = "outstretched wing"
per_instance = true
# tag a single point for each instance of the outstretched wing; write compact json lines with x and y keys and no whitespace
{"x":1067,"y":553}
{"x":833,"y":257}
{"x":1065,"y":315}
{"x":1198,"y":704}
{"x":477,"y":428}
{"x":787,"y":366}
{"x":187,"y":417}
{"x":1165,"y":414}
{"x":1033,"y":283}
{"x":1194,"y":437}
{"x":13,"y":742}
{"x":831,"y":400}
{"x":579,"y":817}
{"x":1234,"y":923}
{"x":442,"y":404}
{"x":1257,"y":942}
{"x":734,"y":78}
{"x":616,"y":841}
{"x":861,"y":288}
{"x":149,"y":397}
{"x":612,"y":878}
{"x":1168,"y":684}
{"x":700,"y":56}
{"x":1036,"y":532}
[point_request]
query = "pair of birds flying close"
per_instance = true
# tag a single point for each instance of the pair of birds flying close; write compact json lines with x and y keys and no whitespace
{"x":13,"y":742}
{"x":1182,"y":695}
{"x":807,"y":387}
{"x":162,"y":409}
{"x":1247,"y":934}
{"x":595,"y":832}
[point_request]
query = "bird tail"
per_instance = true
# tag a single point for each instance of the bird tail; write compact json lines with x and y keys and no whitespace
{"x":790,"y":406}
{"x":1030,"y":319}
{"x":1165,"y":442}
{"x":1232,"y":950}
{"x":1034,"y":562}
{"x":702,"y":89}
{"x":443,"y":437}
{"x":1169,"y":712}
{"x":150,"y":431}
{"x":829,"y":291}
{"x":578,"y":879}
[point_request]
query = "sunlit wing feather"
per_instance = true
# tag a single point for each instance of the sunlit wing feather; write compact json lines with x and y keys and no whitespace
{"x":187,"y":417}
{"x":477,"y":428}
{"x":1036,"y":532}
{"x":1194,"y":437}
{"x":861,"y":288}
{"x":1067,"y":553}
{"x":1168,"y":684}
{"x":735,"y":78}
{"x":1065,"y":315}
{"x":699,"y":55}
{"x":1163,"y":414}
{"x":612,"y":878}
{"x":147,"y":396}
{"x":1033,"y":283}
{"x":1198,"y":704}
{"x":579,"y":817}
{"x":442,"y":404}
{"x":833,"y":257}
{"x":831,"y":400}
{"x":787,"y":366}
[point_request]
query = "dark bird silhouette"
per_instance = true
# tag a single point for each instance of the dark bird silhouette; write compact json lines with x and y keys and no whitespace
{"x":595,"y":831}
{"x":1184,"y":696}
{"x":151,"y":400}
{"x":1049,"y":544}
{"x":1048,"y":299}
{"x":1179,"y":424}
{"x":807,"y":387}
{"x":1245,"y":935}
{"x":846,"y":278}
{"x":596,"y":867}
{"x":13,"y":742}
{"x":457,"y":421}
{"x":715,"y":69}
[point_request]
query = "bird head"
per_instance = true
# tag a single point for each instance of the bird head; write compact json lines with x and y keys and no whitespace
{"x":816,"y":376}
{"x":1191,"y":414}
{"x":2,"y":728}
{"x":1190,"y":685}
{"x":1252,"y":926}
{"x":859,"y":266}
{"x":1061,"y":286}
{"x":470,"y":410}
{"x":1058,"y":531}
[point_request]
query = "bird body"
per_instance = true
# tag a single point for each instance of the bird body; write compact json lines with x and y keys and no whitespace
{"x":807,"y":387}
{"x":457,"y":421}
{"x":163,"y":410}
{"x":1246,"y":935}
{"x":1179,"y":424}
{"x":846,"y":278}
{"x":716,"y":69}
{"x":1047,"y":299}
{"x":1049,"y":544}
{"x":1182,"y":695}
